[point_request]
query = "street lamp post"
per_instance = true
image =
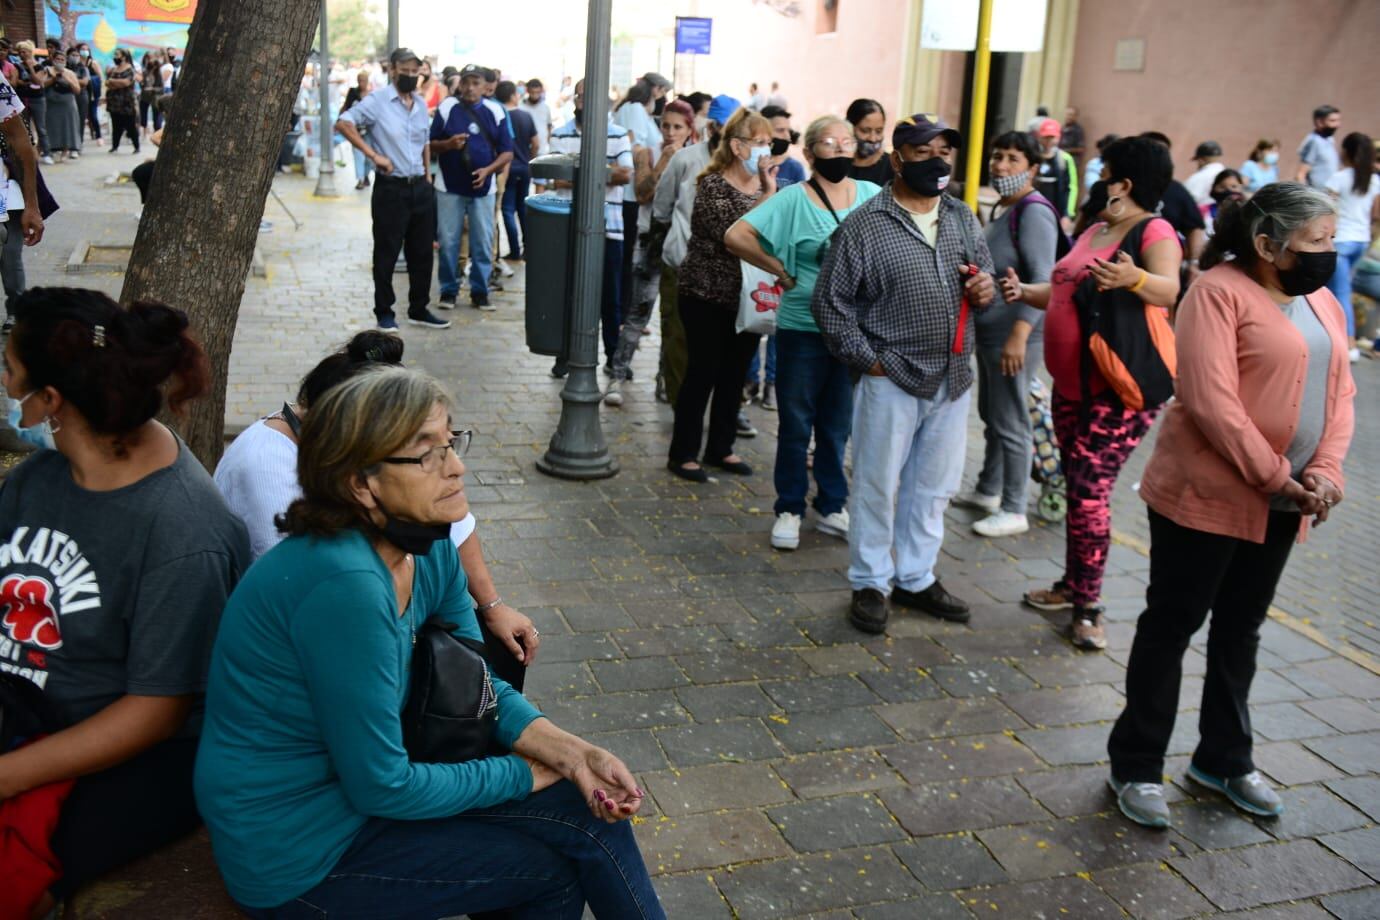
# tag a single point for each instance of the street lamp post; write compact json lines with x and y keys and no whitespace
{"x":325,"y":178}
{"x":578,"y":449}
{"x":392,"y":25}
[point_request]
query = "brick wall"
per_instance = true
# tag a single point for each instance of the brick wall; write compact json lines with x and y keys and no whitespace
{"x":23,"y":20}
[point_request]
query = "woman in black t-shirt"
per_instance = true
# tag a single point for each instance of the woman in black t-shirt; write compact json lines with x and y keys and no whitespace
{"x":870,"y":162}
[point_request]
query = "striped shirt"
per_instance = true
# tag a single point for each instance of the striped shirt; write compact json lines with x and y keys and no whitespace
{"x":885,"y":294}
{"x":566,"y":139}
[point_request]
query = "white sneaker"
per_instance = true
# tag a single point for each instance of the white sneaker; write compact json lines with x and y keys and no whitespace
{"x":505,"y":269}
{"x":975,"y":499}
{"x":613,"y":395}
{"x":785,"y":533}
{"x":1001,"y":524}
{"x":1354,"y":355}
{"x":46,"y":160}
{"x":835,"y":525}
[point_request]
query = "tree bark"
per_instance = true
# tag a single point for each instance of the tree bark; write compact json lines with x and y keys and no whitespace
{"x":215,"y":169}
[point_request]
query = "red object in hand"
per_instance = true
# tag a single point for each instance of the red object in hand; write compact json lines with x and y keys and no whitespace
{"x":965,"y":272}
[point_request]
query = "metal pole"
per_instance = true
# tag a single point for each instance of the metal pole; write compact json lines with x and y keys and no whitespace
{"x":392,"y":25}
{"x":977,"y":118}
{"x":578,"y":449}
{"x":325,"y":179}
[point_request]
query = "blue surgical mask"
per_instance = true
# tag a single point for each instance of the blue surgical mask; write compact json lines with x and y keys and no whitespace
{"x":755,"y":158}
{"x":1272,"y":158}
{"x":40,"y":435}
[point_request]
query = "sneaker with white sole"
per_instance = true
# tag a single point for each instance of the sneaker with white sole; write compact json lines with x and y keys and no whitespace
{"x":1143,"y":803}
{"x":1001,"y":524}
{"x":613,"y":396}
{"x":425,"y":317}
{"x":785,"y":533}
{"x":1250,"y":792}
{"x":975,"y":499}
{"x":835,"y":525}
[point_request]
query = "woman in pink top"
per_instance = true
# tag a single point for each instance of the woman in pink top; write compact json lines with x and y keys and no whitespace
{"x":1251,"y":447}
{"x":1096,"y":432}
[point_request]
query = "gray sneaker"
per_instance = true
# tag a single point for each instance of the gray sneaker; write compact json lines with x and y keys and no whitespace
{"x":1143,"y":803}
{"x":1250,"y":793}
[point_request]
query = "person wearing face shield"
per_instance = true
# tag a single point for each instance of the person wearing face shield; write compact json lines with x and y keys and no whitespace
{"x":895,"y":302}
{"x":1251,"y":448}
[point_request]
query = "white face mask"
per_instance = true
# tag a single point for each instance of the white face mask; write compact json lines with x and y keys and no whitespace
{"x":40,"y":435}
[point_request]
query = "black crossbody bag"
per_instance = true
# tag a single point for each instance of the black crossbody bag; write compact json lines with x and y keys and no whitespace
{"x":451,"y":705}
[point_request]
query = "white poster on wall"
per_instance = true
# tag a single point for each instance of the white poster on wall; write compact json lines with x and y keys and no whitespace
{"x":951,"y":25}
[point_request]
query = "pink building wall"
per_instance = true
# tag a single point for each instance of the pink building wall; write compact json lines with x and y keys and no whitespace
{"x":1232,"y":71}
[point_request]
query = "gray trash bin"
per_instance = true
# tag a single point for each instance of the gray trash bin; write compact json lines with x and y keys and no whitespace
{"x":548,"y":245}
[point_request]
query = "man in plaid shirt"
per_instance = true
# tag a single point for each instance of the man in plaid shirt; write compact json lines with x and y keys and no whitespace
{"x":894,"y":301}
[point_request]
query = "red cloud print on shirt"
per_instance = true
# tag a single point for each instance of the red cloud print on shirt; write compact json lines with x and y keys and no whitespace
{"x":29,"y":615}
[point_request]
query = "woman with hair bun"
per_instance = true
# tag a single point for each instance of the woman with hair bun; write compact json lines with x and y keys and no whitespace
{"x":116,"y":557}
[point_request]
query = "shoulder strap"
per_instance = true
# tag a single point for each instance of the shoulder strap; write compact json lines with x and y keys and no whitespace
{"x":819,"y":190}
{"x":1132,"y":241}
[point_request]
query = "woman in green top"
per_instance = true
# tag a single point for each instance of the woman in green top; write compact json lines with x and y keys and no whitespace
{"x":788,"y":235}
{"x":314,"y":806}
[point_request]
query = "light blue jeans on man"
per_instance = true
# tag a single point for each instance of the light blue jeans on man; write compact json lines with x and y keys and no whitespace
{"x":452,"y":211}
{"x":907,"y":463}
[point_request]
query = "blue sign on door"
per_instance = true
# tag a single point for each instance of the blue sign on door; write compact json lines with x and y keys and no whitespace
{"x":692,"y":34}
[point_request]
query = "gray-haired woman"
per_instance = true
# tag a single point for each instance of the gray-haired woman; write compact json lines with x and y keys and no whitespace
{"x":1250,"y":449}
{"x":308,"y":679}
{"x":788,"y":235}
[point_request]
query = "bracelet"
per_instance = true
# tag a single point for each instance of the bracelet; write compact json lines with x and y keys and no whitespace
{"x":485,"y":608}
{"x":1144,"y":277}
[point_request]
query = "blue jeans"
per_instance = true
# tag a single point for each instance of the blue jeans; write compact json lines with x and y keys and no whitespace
{"x":910,"y":465}
{"x":363,"y":166}
{"x":1348,"y":254}
{"x":451,"y":212}
{"x":815,"y":394}
{"x":755,"y":365}
{"x":540,"y":859}
{"x":515,"y":212}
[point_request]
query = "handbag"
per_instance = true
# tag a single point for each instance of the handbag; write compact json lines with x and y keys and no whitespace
{"x":451,"y":705}
{"x":758,"y":300}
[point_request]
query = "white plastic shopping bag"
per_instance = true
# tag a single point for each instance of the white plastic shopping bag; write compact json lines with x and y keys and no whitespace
{"x":758,"y":301}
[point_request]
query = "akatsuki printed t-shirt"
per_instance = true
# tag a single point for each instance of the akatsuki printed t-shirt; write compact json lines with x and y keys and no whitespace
{"x":104,"y":594}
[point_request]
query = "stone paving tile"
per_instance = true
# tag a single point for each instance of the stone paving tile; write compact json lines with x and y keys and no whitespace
{"x":1041,"y":708}
{"x":661,"y":643}
{"x":911,"y":652}
{"x":1311,"y":811}
{"x":1356,"y":754}
{"x":1345,"y":715}
{"x":708,"y":841}
{"x":694,"y":790}
{"x":1293,"y":911}
{"x":637,"y":749}
{"x":950,"y":862}
{"x":847,"y":659}
{"x":986,"y":678}
{"x":902,"y":685}
{"x":803,"y":732}
{"x":1052,"y":899}
{"x":955,"y":758}
{"x":927,"y":906}
{"x":1354,"y":905}
{"x":691,"y":745}
{"x":789,"y":887}
{"x":1061,"y":746}
{"x":1083,"y":844}
{"x":942,"y":718}
{"x":816,"y":693}
{"x":943,"y":808}
{"x":1151,"y":892}
{"x":692,"y":896}
{"x":837,"y":772}
{"x":1214,"y":824}
{"x":1286,"y":722}
{"x":615,"y":712}
{"x":1361,"y":848}
{"x":735,"y":664}
{"x":1253,"y":876}
{"x":725,"y":701}
{"x":830,"y":824}
{"x":637,"y":674}
{"x":1362,"y":791}
{"x":1064,"y":671}
{"x":1289,"y":763}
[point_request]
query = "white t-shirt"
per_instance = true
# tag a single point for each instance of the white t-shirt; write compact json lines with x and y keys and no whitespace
{"x":1199,"y":184}
{"x":10,"y":194}
{"x":541,"y":117}
{"x":1353,"y":215}
{"x":258,"y":477}
{"x":167,"y":70}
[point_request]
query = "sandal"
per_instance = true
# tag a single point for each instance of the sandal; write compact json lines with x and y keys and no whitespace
{"x":1050,"y":600}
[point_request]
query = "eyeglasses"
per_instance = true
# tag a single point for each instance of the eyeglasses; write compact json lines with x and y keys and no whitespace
{"x":830,"y":146}
{"x":434,"y":459}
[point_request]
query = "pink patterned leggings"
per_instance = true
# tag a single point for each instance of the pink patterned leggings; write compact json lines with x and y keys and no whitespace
{"x":1094,"y":444}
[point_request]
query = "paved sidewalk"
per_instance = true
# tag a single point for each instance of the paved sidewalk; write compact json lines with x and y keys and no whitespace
{"x":797,"y":767}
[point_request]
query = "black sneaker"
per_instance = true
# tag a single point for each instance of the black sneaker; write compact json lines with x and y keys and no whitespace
{"x":744,"y":426}
{"x":481,"y":302}
{"x":447,"y":302}
{"x":425,"y":317}
{"x":868,"y":611}
{"x":559,"y":369}
{"x":935,"y":601}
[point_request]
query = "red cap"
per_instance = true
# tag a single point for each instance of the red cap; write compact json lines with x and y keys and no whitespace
{"x":1049,"y":128}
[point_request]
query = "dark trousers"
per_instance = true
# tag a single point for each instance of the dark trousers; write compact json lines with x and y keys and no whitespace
{"x":611,"y":304}
{"x":122,"y":125}
{"x":142,"y":176}
{"x":37,"y":113}
{"x":147,"y":107}
{"x":93,"y":117}
{"x":628,"y":287}
{"x":1192,"y":572}
{"x":404,"y":215}
{"x":515,"y":212}
{"x":116,"y":816}
{"x":719,"y":357}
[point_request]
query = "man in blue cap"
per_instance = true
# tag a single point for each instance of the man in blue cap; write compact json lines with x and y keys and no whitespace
{"x":894,"y":302}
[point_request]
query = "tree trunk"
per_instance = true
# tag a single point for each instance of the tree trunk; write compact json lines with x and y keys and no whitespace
{"x":215,"y":168}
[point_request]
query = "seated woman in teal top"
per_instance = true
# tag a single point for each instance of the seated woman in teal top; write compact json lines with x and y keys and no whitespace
{"x":788,"y":235}
{"x":313,"y":805}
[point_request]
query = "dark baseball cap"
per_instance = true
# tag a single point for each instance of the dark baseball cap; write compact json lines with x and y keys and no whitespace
{"x":920,"y":130}
{"x":656,"y":79}
{"x":472,"y":70}
{"x":1207,"y":149}
{"x":400,"y":55}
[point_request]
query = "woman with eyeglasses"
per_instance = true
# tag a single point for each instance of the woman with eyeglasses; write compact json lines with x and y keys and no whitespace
{"x":789,"y":235}
{"x":314,"y":804}
{"x":739,"y":176}
{"x":870,"y":160}
{"x":258,"y":477}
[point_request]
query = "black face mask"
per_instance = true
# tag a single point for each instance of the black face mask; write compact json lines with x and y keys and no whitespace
{"x":411,"y":537}
{"x":926,"y":178}
{"x":660,"y":107}
{"x":1325,"y":132}
{"x":833,"y":169}
{"x":1311,"y":271}
{"x":406,"y":83}
{"x":779,"y":146}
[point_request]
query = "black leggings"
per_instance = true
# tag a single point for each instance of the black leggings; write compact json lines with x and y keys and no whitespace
{"x":116,"y":816}
{"x":147,"y":105}
{"x":719,"y":357}
{"x":121,"y":125}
